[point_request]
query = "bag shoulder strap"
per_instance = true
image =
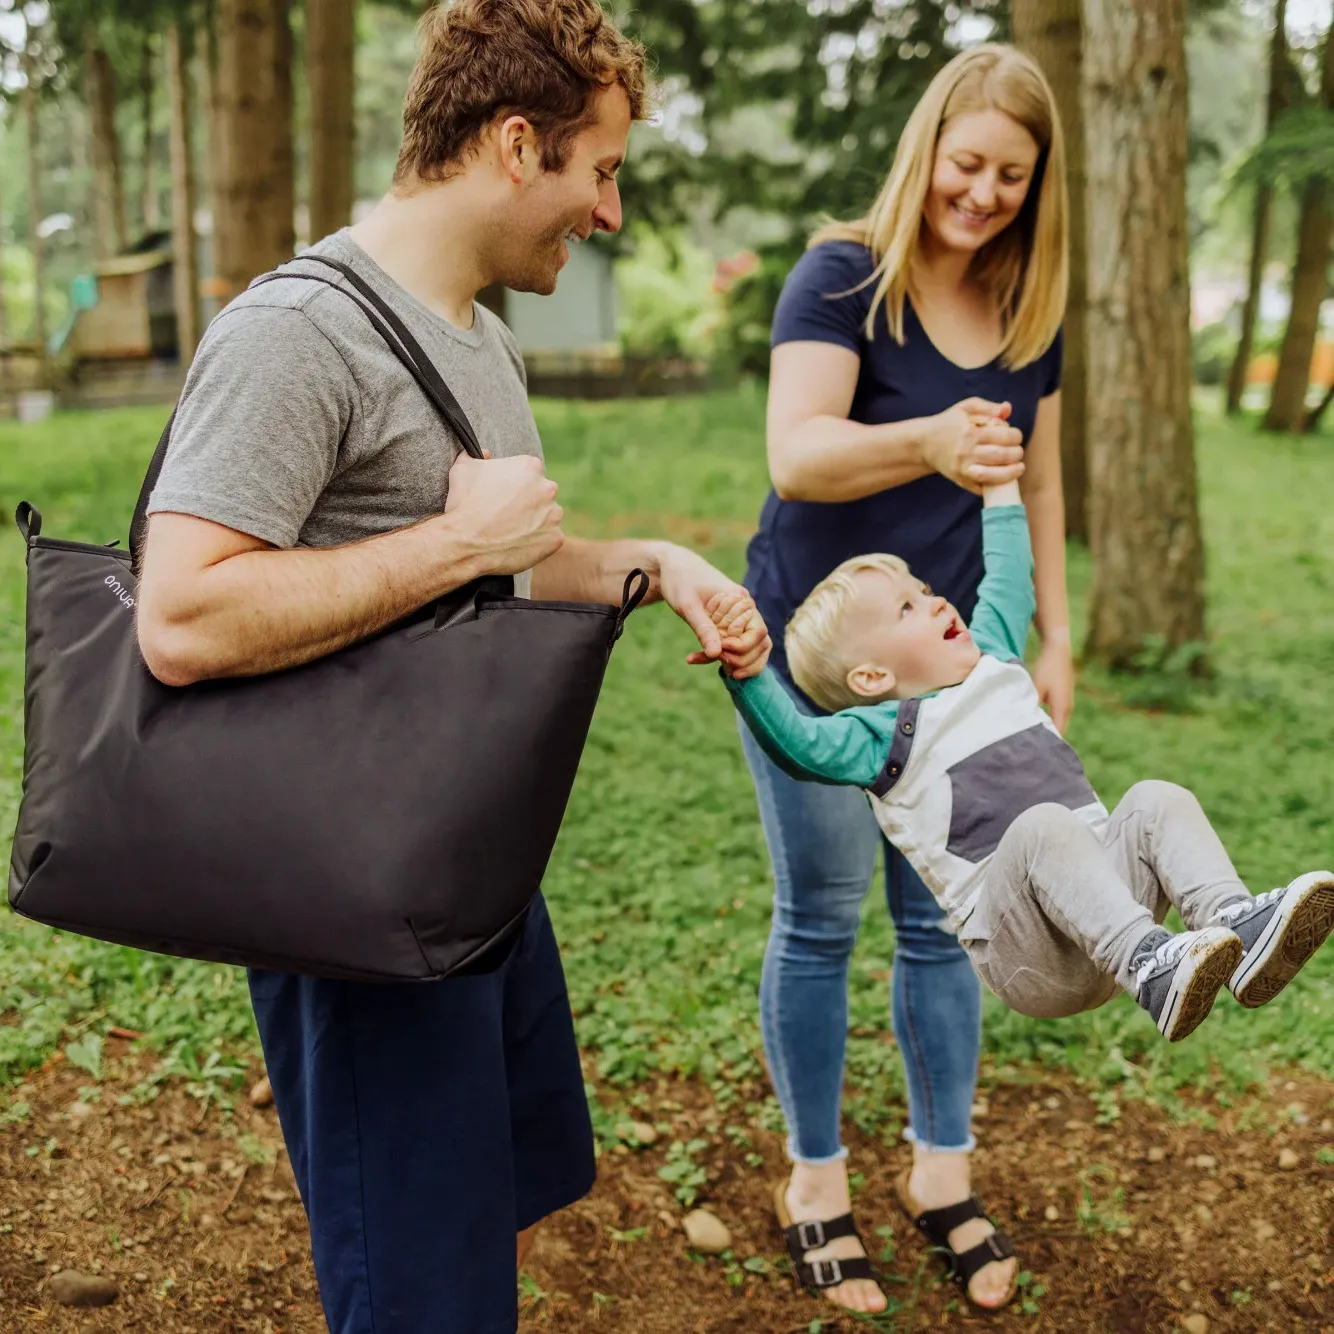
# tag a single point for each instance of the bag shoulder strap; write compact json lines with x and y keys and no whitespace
{"x":397,"y":337}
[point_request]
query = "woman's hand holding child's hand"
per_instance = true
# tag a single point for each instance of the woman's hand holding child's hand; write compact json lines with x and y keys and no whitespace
{"x":745,"y":638}
{"x":974,"y":445}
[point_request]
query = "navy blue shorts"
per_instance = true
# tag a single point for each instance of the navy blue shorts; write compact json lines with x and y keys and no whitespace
{"x":427,"y":1124}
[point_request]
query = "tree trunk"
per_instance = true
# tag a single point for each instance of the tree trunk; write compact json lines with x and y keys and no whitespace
{"x":30,"y":118}
{"x":108,"y":179}
{"x":1264,"y":195}
{"x":1236,"y":379}
{"x":185,"y":261}
{"x":330,"y":45}
{"x":152,"y":208}
{"x":253,"y":187}
{"x":1051,"y":32}
{"x":282,"y":151}
{"x":215,"y":147}
{"x":1287,"y":403}
{"x":1313,"y":421}
{"x":4,"y":329}
{"x":1310,"y":273}
{"x":1144,"y":527}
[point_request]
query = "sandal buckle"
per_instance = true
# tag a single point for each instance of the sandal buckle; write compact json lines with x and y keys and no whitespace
{"x":993,"y":1245}
{"x":827,"y":1273}
{"x":810,"y":1235}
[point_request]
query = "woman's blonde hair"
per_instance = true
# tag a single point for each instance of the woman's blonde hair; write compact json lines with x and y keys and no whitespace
{"x":1025,"y":267}
{"x":815,"y":638}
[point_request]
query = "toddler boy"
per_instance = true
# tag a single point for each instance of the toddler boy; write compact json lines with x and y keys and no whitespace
{"x":1057,"y":902}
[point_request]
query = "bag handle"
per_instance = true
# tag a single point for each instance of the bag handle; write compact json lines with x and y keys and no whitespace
{"x":409,"y":352}
{"x":634,"y":591}
{"x":423,"y":368}
{"x":400,"y":342}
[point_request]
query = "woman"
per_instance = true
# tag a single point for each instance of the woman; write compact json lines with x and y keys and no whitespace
{"x":916,"y":357}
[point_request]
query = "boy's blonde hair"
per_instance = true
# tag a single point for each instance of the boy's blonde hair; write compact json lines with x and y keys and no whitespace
{"x":1025,"y":268}
{"x":816,"y":637}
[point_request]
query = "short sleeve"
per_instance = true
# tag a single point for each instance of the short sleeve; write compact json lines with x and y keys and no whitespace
{"x":826,"y":297}
{"x":258,"y":430}
{"x":1051,"y":361}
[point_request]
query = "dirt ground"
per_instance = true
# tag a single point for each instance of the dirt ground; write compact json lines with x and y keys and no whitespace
{"x":1143,"y":1225}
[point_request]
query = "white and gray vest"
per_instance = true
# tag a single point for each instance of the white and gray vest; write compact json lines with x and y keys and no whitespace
{"x":964,"y":765}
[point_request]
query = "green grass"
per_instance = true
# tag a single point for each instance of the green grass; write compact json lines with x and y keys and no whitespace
{"x":659,"y":885}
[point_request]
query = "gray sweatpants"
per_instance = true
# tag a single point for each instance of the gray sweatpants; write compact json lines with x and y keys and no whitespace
{"x":1062,"y":909}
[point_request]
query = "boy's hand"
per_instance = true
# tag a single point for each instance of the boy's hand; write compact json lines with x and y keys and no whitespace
{"x":745,"y":638}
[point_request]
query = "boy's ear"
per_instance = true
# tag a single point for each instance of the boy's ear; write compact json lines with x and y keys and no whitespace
{"x":870,"y":680}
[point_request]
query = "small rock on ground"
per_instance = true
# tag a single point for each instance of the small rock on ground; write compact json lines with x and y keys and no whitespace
{"x":70,"y":1288}
{"x":644,"y":1133}
{"x":1287,"y":1160}
{"x":706,"y":1233}
{"x":261,"y":1095}
{"x":1195,"y":1323}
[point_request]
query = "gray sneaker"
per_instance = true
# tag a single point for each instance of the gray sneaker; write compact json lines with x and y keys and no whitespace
{"x":1280,"y":931}
{"x":1177,"y":977}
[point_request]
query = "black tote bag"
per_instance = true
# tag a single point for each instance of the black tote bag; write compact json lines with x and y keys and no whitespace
{"x":383,"y":813}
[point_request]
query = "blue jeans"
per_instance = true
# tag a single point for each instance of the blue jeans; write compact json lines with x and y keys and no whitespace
{"x":822,"y":844}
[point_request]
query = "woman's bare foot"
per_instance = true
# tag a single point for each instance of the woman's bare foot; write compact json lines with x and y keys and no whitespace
{"x":822,"y":1193}
{"x":940,"y":1179}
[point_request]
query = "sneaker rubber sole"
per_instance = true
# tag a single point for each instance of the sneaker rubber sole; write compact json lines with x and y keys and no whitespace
{"x":1200,"y":975}
{"x":1298,"y":927}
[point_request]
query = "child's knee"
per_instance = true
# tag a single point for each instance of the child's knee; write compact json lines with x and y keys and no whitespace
{"x":1157,"y":797}
{"x":1044,"y":822}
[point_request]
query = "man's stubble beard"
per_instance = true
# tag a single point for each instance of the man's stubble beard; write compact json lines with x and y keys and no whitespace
{"x":532,"y":264}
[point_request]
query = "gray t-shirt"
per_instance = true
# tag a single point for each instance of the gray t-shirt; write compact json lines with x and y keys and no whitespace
{"x":299,"y":426}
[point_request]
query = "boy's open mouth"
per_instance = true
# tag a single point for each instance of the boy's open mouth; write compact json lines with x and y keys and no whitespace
{"x":954,"y":631}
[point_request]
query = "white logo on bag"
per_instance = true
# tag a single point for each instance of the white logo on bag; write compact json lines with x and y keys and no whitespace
{"x":119,"y":589}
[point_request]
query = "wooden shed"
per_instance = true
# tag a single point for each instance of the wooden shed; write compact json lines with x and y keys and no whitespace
{"x":134,"y":316}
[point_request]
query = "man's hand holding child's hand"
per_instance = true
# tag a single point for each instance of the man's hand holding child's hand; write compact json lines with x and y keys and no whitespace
{"x":745,"y":638}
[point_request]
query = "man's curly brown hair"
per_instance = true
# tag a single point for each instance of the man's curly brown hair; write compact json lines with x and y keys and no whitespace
{"x":481,"y":59}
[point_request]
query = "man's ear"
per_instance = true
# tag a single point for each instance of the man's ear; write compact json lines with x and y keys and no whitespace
{"x":516,"y":142}
{"x":870,"y":680}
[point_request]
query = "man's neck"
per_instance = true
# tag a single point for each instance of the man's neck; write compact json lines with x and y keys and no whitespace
{"x":431,"y":244}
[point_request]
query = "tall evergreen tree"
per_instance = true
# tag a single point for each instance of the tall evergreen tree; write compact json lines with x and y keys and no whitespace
{"x":1263,"y":207}
{"x":1310,"y":281}
{"x":1052,"y":32}
{"x":1144,"y":525}
{"x":330,"y":76}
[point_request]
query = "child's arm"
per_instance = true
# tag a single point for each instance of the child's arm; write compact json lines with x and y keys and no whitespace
{"x":1005,"y":600}
{"x":849,"y":748}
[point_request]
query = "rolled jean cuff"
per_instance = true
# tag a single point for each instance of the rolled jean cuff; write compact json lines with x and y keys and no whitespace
{"x":793,"y":1156}
{"x":913,"y":1138}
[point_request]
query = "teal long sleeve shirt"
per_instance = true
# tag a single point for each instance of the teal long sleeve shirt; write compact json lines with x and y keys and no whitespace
{"x":850,"y":748}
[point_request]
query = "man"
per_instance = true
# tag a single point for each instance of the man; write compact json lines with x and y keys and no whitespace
{"x":311,"y":497}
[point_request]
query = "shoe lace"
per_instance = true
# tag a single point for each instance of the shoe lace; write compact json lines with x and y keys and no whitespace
{"x":1244,"y":906}
{"x":1163,"y":957}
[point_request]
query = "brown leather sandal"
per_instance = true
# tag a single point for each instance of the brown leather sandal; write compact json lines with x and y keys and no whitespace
{"x":937,"y":1224}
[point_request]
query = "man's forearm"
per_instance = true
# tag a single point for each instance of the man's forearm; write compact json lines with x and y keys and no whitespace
{"x":588,"y":571}
{"x":262,"y":610}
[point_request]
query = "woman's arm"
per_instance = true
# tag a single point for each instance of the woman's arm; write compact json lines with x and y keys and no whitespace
{"x":1054,"y":672}
{"x":816,"y":453}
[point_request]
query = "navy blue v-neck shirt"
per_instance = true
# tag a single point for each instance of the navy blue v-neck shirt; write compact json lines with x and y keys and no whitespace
{"x":931,"y":523}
